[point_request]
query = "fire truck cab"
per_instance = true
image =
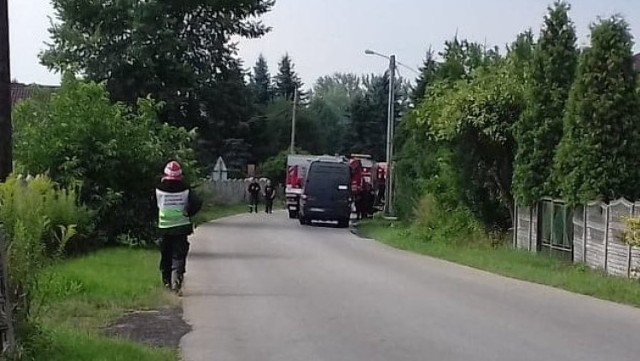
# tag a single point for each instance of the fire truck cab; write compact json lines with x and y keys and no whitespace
{"x":297,"y":168}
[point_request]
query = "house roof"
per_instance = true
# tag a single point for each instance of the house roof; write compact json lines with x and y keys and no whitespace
{"x":20,"y":92}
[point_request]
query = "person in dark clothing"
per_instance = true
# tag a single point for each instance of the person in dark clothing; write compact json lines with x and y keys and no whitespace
{"x":176,"y":203}
{"x":370,"y":200}
{"x":269,"y":197}
{"x":381,"y":190}
{"x":254,"y":195}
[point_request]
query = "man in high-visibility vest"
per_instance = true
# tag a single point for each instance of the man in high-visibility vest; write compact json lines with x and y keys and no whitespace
{"x":177,"y":203}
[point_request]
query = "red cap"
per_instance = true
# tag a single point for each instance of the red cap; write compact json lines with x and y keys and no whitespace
{"x":173,"y":171}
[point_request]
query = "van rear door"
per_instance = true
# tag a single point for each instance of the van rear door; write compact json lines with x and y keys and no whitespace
{"x":328,"y":185}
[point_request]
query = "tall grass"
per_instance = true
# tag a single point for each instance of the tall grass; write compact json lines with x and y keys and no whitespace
{"x":39,"y":219}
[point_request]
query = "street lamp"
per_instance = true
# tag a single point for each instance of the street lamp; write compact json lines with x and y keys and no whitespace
{"x":371,"y":52}
{"x":388,"y":196}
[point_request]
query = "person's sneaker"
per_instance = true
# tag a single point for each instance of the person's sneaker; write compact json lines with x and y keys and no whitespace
{"x":177,"y":285}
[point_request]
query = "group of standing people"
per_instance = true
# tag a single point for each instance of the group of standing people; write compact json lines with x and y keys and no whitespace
{"x":368,"y":198}
{"x":255,"y":190}
{"x":365,"y":202}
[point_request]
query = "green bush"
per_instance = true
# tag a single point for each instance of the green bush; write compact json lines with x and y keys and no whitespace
{"x":40,"y":219}
{"x":414,"y":163}
{"x":115,"y":152}
{"x":275,"y":168}
{"x":48,"y":211}
{"x":434,"y":222}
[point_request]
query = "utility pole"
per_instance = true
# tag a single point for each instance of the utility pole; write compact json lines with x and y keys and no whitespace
{"x":391,"y":124}
{"x":6,"y":305}
{"x":6,"y":158}
{"x":293,"y":122}
{"x":388,"y":204}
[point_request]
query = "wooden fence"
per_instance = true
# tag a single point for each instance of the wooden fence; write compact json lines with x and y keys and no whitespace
{"x":590,"y":234}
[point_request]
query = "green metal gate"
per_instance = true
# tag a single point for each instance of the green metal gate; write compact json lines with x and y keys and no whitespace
{"x":555,"y":233}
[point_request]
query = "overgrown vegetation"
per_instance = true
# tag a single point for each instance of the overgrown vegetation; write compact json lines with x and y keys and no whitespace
{"x":466,"y":121}
{"x":40,"y":220}
{"x":632,"y":235}
{"x":112,"y":153}
{"x":491,"y":128}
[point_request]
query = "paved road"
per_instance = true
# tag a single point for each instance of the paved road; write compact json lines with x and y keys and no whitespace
{"x":264,"y":288}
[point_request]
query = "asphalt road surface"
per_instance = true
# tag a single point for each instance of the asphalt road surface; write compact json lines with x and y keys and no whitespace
{"x":262,"y":288}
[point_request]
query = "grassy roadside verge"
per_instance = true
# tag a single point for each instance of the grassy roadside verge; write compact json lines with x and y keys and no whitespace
{"x":80,"y":296}
{"x":85,"y":294}
{"x":508,"y":262}
{"x":213,"y":212}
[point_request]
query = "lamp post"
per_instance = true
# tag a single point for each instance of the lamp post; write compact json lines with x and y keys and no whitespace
{"x":388,"y":196}
{"x":292,"y":149}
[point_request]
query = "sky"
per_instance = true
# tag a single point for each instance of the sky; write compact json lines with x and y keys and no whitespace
{"x":327,"y":36}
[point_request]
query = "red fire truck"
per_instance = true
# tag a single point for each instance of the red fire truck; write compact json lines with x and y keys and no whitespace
{"x":297,"y":167}
{"x":366,"y":176}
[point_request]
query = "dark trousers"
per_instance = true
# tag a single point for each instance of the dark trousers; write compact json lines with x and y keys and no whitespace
{"x":268,"y":205}
{"x":173,"y":251}
{"x":253,"y":205}
{"x":381,"y":191}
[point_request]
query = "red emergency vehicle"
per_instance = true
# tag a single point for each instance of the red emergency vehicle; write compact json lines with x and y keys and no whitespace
{"x":364,"y":183}
{"x":297,"y":167}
